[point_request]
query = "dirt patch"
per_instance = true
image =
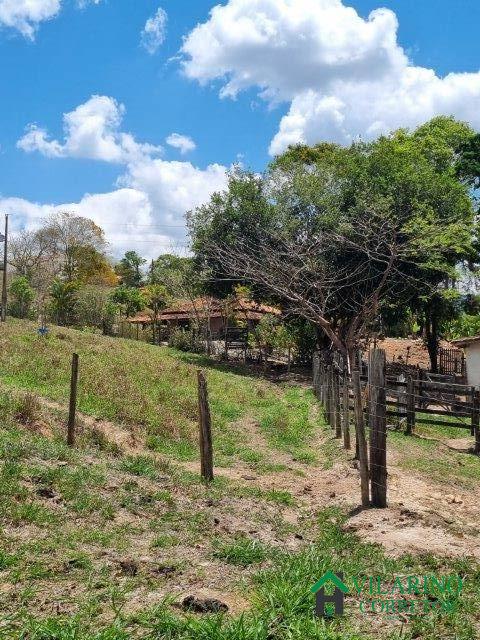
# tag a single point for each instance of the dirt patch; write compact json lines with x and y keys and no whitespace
{"x":410,"y":351}
{"x":419,"y":518}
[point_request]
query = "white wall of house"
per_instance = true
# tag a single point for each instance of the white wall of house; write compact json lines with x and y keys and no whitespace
{"x":472,"y":356}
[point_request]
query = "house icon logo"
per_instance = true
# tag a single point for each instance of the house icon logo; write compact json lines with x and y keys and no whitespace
{"x":337,"y":598}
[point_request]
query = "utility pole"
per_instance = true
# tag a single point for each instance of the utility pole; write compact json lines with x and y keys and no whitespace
{"x":5,"y":263}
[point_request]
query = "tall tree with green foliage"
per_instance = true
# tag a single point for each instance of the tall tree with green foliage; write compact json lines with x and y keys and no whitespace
{"x":335,"y":233}
{"x":130,"y":300}
{"x":468,"y":164}
{"x":130,"y":269}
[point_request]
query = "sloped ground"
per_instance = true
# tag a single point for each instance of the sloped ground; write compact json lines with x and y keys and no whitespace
{"x":93,"y":540}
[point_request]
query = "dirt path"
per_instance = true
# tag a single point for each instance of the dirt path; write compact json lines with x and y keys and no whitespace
{"x":421,"y":517}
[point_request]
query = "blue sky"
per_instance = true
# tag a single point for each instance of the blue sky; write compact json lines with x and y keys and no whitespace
{"x":96,"y":50}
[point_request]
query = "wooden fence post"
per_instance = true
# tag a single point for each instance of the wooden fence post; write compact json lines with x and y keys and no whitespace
{"x":205,"y":424}
{"x":360,"y":437}
{"x":378,"y":430}
{"x":346,"y":413}
{"x":329,"y":396}
{"x":73,"y":402}
{"x":475,"y":420}
{"x":321,"y":382}
{"x":316,"y":373}
{"x":410,"y":397}
{"x":337,"y":423}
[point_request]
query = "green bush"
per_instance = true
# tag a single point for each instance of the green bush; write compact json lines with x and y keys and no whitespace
{"x":22,"y":297}
{"x":186,"y":340}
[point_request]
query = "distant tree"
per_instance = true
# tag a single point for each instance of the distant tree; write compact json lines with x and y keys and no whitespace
{"x":93,"y":267}
{"x":28,"y":254}
{"x":156,"y":298}
{"x":63,"y":297}
{"x":73,"y":241}
{"x":22,"y":296}
{"x":130,"y":269}
{"x":130,"y":300}
{"x":169,"y":270}
{"x":67,"y":248}
{"x":90,"y":306}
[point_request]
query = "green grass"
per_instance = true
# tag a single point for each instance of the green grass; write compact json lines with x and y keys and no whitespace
{"x":282,"y":604}
{"x":242,"y":552}
{"x":153,"y":391}
{"x":441,"y":464}
{"x":287,"y":423}
{"x":93,"y":539}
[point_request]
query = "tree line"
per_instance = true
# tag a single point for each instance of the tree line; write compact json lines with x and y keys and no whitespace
{"x":378,"y":238}
{"x":375,"y":238}
{"x":62,"y":272}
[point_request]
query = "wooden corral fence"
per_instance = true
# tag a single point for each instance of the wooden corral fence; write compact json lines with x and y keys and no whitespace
{"x":371,"y":397}
{"x":451,"y":361}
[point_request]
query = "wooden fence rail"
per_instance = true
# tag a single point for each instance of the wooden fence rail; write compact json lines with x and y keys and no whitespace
{"x":373,"y":398}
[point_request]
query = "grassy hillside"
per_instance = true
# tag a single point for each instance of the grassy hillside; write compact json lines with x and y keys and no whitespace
{"x":96,"y":546}
{"x":104,"y":542}
{"x":153,"y":391}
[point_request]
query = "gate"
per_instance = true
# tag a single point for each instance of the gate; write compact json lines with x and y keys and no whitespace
{"x":451,"y":361}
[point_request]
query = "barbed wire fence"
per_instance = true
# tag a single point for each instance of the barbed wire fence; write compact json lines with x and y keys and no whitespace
{"x":370,"y":396}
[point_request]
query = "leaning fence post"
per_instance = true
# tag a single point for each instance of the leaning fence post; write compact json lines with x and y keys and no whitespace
{"x":410,"y":405}
{"x":360,"y":437}
{"x":205,"y":424}
{"x":346,"y":413}
{"x":475,"y":420}
{"x":378,"y":430}
{"x":73,"y":402}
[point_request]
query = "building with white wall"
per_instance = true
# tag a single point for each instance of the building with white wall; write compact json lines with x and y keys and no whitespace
{"x":471,"y":348}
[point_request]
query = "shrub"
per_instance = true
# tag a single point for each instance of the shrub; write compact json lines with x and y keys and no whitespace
{"x":186,"y":340}
{"x":28,"y":409}
{"x":22,"y":297}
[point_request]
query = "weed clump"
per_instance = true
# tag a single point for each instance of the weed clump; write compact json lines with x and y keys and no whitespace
{"x":28,"y":410}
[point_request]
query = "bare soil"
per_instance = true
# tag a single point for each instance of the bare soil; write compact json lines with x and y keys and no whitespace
{"x":420,"y":518}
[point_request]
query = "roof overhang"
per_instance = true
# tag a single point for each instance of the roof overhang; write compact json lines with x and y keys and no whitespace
{"x":466,"y":342}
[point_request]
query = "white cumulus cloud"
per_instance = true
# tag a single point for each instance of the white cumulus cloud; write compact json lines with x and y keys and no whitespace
{"x":146,"y":210}
{"x":83,"y":3}
{"x":123,"y":214}
{"x":146,"y":213}
{"x":174,"y":187}
{"x":26,"y":15}
{"x":183,"y":143}
{"x":92,"y":130}
{"x":154,"y":32}
{"x":344,"y":76}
